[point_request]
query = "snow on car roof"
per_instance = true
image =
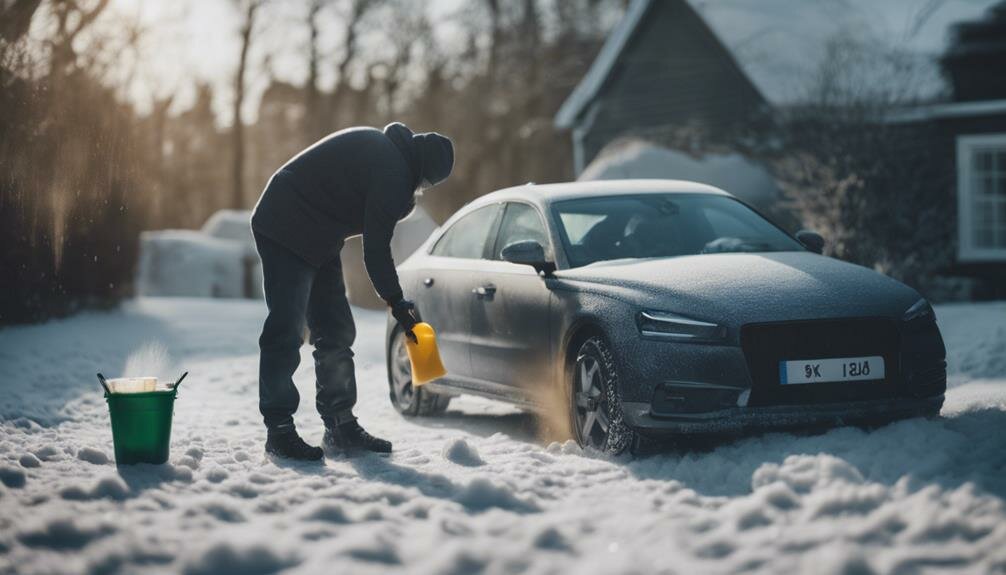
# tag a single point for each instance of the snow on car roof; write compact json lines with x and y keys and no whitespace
{"x":547,"y":193}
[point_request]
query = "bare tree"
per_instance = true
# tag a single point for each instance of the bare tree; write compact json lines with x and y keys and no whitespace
{"x":494,"y":36}
{"x":249,"y":9}
{"x":16,"y":17}
{"x":350,"y":43}
{"x":312,"y":92}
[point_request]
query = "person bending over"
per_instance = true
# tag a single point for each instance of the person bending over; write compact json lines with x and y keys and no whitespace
{"x":355,"y":181}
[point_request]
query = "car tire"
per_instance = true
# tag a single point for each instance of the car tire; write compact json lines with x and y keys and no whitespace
{"x":407,"y":399}
{"x":596,"y":416}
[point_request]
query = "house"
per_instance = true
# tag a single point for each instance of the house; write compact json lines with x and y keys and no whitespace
{"x":716,"y":69}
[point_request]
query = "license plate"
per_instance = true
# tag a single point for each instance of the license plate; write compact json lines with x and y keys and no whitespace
{"x":831,"y":369}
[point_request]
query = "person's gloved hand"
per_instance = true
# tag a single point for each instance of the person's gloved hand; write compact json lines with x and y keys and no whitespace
{"x":404,"y":312}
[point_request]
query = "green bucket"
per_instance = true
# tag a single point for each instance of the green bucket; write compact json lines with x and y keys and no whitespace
{"x":141,"y":425}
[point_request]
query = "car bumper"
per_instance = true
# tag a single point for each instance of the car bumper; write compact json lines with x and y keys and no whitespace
{"x":640,"y":417}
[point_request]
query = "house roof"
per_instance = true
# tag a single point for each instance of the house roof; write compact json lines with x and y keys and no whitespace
{"x":889,"y":46}
{"x":599,"y":71}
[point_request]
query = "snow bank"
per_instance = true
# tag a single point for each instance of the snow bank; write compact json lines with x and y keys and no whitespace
{"x":979,"y":345}
{"x":410,"y":233}
{"x":218,"y":261}
{"x":459,"y":451}
{"x":731,"y":172}
{"x":221,"y":261}
{"x":234,"y":225}
{"x":473,"y":490}
{"x":189,"y":263}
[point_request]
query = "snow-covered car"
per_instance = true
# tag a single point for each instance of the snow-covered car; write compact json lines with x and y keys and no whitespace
{"x":654,"y":308}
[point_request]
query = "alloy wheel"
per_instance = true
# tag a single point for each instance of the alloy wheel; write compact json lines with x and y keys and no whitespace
{"x":590,"y":402}
{"x":403,"y":395}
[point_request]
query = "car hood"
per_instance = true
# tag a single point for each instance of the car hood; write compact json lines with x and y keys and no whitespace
{"x":735,"y":289}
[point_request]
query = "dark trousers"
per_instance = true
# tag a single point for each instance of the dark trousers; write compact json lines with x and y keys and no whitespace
{"x":296,"y":294}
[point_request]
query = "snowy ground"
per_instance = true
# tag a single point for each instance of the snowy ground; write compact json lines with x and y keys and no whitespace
{"x":473,"y":491}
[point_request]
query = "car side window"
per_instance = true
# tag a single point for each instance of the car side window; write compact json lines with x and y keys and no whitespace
{"x":467,"y":237}
{"x":521,"y":222}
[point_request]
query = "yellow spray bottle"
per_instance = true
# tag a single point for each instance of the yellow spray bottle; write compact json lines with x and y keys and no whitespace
{"x":424,"y":355}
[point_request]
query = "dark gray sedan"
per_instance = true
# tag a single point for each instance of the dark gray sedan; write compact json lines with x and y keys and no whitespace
{"x":651,"y":308}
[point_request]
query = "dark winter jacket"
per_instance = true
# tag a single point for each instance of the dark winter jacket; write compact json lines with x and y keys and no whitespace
{"x":355,"y":181}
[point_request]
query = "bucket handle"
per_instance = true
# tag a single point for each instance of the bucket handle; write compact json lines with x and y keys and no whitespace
{"x":179,"y":382}
{"x":101,"y":380}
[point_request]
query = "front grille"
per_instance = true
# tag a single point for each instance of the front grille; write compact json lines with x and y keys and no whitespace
{"x":767,"y":344}
{"x":670,"y":398}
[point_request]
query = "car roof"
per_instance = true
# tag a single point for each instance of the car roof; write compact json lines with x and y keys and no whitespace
{"x":545,"y":194}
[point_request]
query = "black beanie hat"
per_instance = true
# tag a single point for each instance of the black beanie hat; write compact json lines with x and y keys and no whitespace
{"x":437,"y":154}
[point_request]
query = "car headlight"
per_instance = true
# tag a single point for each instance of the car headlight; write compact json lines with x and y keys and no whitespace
{"x":671,"y":326}
{"x":920,"y":313}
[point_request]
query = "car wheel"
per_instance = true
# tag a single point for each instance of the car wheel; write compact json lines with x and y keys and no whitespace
{"x":407,"y":399}
{"x":596,"y":406}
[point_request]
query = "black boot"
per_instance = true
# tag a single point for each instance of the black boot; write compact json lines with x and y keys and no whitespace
{"x":350,"y":436}
{"x":288,"y":445}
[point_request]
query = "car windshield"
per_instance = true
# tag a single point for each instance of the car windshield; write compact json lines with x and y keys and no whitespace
{"x":663,"y":225}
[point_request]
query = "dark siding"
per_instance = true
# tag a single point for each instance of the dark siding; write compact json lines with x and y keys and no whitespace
{"x":674,"y":72}
{"x":977,"y":57}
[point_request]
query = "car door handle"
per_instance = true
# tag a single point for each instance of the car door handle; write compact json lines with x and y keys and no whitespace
{"x":428,"y":282}
{"x":486,"y":290}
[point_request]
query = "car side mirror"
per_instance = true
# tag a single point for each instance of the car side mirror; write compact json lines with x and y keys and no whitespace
{"x":528,"y":253}
{"x":811,"y":240}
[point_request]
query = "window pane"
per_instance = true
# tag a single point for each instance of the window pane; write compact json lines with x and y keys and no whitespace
{"x":725,"y":224}
{"x":577,"y":225}
{"x":663,"y":225}
{"x":467,"y":237}
{"x":982,"y":160}
{"x":521,"y":222}
{"x":985,"y":185}
{"x":983,"y":237}
{"x":984,"y":214}
{"x":1001,"y":161}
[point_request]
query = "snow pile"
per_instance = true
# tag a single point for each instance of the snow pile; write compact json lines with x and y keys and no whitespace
{"x":730,"y":172}
{"x":218,"y":261}
{"x":459,"y":451}
{"x":234,"y":225}
{"x":410,"y":233}
{"x":189,"y":263}
{"x":473,"y":490}
{"x":980,"y":344}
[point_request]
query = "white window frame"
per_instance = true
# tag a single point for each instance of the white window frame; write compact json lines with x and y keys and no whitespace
{"x":966,"y":146}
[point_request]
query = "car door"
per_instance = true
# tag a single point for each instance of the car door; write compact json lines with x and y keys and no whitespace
{"x":510,"y":309}
{"x":446,"y":283}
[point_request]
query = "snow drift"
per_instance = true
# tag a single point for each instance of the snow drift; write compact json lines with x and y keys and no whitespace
{"x":732,"y":172}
